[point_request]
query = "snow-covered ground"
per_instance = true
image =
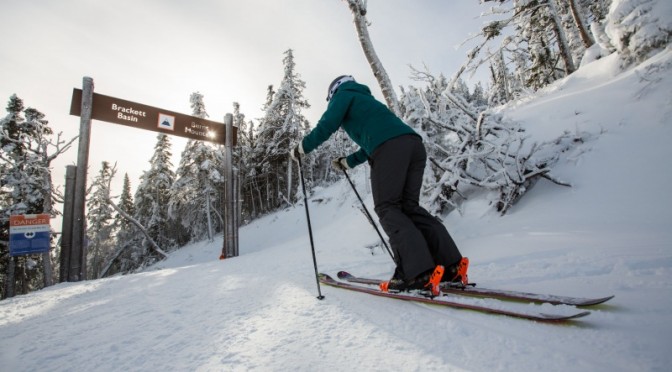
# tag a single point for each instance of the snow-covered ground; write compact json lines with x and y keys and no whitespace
{"x":608,"y":234}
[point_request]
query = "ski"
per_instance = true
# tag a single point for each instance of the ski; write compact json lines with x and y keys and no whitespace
{"x":442,"y":301}
{"x":472,"y":290}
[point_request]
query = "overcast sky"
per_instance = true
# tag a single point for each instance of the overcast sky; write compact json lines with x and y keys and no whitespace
{"x":158,"y":52}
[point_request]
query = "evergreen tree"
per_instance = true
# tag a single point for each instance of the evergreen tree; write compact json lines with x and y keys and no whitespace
{"x":101,"y":226}
{"x":639,"y":28}
{"x":126,"y":204}
{"x":198,"y":185}
{"x":460,"y":89}
{"x":244,"y":140}
{"x":152,"y":198}
{"x":597,"y":10}
{"x":27,"y":149}
{"x":281,"y":127}
{"x":533,"y":26}
{"x":318,"y":168}
{"x":255,"y":179}
{"x":499,"y":76}
{"x":23,"y":138}
{"x":477,"y":97}
{"x":128,"y":241}
{"x":242,"y":154}
{"x":546,"y":39}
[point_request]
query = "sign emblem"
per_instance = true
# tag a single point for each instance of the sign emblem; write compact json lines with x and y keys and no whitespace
{"x":166,"y":121}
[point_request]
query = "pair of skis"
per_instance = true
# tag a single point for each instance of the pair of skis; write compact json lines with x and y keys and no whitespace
{"x":348,"y":279}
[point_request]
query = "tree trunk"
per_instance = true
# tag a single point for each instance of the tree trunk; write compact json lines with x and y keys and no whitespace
{"x":207,"y":211}
{"x":565,"y":53}
{"x":359,"y":13}
{"x":10,"y":279}
{"x":583,"y":32}
{"x":289,"y":179}
{"x":46,"y":208}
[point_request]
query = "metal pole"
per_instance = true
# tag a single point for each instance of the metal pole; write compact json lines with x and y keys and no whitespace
{"x":310,"y":229}
{"x":368,"y":215}
{"x":78,"y":257}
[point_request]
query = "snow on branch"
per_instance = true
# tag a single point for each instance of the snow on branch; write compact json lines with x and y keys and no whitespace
{"x":128,"y":217}
{"x":475,"y":153}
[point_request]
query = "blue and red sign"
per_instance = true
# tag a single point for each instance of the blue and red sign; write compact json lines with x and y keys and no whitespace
{"x":28,"y":234}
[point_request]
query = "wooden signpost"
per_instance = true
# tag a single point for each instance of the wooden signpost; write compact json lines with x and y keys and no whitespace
{"x":89,"y":105}
{"x":137,"y":115}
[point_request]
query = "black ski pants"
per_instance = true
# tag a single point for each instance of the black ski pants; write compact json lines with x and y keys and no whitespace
{"x":419,"y":240}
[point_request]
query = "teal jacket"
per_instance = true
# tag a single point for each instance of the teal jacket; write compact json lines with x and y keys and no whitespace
{"x":367,"y":121}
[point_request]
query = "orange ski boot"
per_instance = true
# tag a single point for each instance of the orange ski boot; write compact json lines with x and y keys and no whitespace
{"x":435,"y":280}
{"x":458,"y":272}
{"x":425,"y":281}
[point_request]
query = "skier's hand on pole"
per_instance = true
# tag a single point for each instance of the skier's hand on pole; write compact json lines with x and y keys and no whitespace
{"x":296,"y":152}
{"x":340,"y":164}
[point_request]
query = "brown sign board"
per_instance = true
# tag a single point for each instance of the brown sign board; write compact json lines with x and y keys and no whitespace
{"x":137,"y":115}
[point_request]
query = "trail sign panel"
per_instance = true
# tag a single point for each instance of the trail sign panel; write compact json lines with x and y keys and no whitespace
{"x":28,"y":234}
{"x":132,"y":114}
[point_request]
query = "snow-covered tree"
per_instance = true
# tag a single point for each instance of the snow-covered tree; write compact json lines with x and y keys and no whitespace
{"x":469,"y":153}
{"x":242,"y":163}
{"x":23,"y":133}
{"x":477,"y":97}
{"x":152,"y":198}
{"x":551,"y":37}
{"x":131,"y":241}
{"x":639,"y":28}
{"x":101,"y":228}
{"x":245,"y":138}
{"x":198,"y":183}
{"x":500,"y":90}
{"x":430,"y":113}
{"x":279,"y":130}
{"x":127,"y":250}
{"x":27,"y":148}
{"x":318,"y":167}
{"x":545,"y":38}
{"x":253,"y":188}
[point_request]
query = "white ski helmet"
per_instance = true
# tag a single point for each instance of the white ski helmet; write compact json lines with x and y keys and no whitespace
{"x":333,"y":87}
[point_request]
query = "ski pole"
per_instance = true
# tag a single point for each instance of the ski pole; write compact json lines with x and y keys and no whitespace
{"x":310,"y":229}
{"x":368,"y":215}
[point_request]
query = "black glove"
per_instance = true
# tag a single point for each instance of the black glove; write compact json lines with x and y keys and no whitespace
{"x":340,"y":164}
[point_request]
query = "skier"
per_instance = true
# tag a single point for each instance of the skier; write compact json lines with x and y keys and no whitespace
{"x":423,"y":249}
